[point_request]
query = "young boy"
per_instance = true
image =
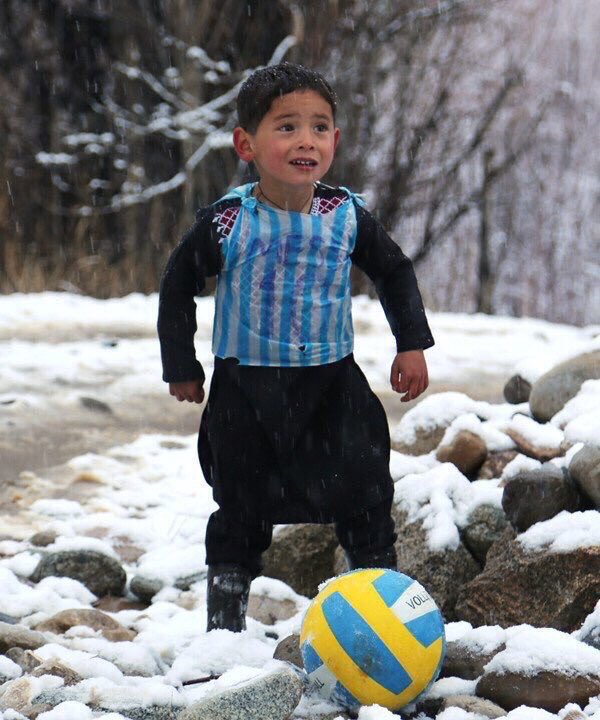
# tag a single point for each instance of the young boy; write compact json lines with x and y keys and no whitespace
{"x":291,"y":431}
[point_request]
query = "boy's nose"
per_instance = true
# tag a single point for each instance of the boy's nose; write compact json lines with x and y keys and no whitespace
{"x":305,"y":141}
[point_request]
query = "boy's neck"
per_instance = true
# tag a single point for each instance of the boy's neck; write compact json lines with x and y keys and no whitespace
{"x":284,"y":198}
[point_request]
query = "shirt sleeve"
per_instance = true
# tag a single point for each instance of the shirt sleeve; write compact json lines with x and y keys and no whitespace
{"x":395,"y":282}
{"x":196,"y":257}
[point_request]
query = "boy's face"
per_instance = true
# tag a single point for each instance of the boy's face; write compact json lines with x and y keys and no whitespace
{"x":294,"y":144}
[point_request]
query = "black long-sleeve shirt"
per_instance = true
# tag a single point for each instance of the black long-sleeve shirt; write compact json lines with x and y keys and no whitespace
{"x":198,"y":256}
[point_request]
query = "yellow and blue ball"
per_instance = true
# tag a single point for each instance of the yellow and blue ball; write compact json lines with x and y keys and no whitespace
{"x":372,"y":636}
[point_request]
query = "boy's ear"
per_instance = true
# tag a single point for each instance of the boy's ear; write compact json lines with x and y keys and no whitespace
{"x":336,"y":138}
{"x":242,"y":142}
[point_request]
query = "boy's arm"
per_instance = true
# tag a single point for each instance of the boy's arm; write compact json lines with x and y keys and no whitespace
{"x":393,"y":275}
{"x":196,"y":257}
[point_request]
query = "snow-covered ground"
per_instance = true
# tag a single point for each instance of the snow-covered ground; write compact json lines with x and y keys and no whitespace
{"x":150,"y":490}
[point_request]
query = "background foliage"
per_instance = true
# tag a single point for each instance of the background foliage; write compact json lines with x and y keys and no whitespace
{"x":471,"y":126}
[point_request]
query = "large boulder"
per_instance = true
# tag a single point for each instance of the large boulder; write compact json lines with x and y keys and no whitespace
{"x":302,"y":556}
{"x":555,"y":388}
{"x":536,"y":495}
{"x":585,"y":471}
{"x":539,"y":588}
{"x":100,"y":573}
{"x":442,"y":573}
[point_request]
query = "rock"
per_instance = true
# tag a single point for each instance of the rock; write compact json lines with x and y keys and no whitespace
{"x":95,"y":619}
{"x":16,"y":694}
{"x":485,"y":524}
{"x":268,"y":611}
{"x":288,"y":650}
{"x":101,"y":574}
{"x":517,"y":390}
{"x":543,"y":589}
{"x":186,"y":582}
{"x":145,"y":588}
{"x":477,"y":706}
{"x":467,"y":451}
{"x":549,"y":691}
{"x":574,"y":714}
{"x":535,"y":495}
{"x":585,"y":471}
{"x":537,"y":452}
{"x":112,"y":604}
{"x":53,"y":667}
{"x":25,"y":659}
{"x":33,"y":711}
{"x":302,"y":556}
{"x":495,"y":464}
{"x":19,"y":636}
{"x":270,"y":697}
{"x":554,"y":389}
{"x":43,"y":538}
{"x":426,"y":440}
{"x":8,"y":619}
{"x":441,"y":573}
{"x":96,"y":405}
{"x":465,"y":661}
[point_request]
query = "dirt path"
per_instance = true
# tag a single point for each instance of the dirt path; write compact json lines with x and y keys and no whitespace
{"x":35,"y":442}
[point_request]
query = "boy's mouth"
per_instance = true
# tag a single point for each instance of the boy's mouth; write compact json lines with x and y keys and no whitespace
{"x":304,"y":162}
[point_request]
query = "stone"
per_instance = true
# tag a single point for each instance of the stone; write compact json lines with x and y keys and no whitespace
{"x":273,"y":696}
{"x":53,"y":667}
{"x":186,"y":582}
{"x":549,"y":691}
{"x":517,"y":390}
{"x":43,"y":538}
{"x":467,"y":451}
{"x":268,"y":610}
{"x":485,"y":524}
{"x":471,"y":704}
{"x":33,"y":711}
{"x":302,"y":556}
{"x":95,"y":619}
{"x":145,"y":588}
{"x":554,"y":389}
{"x":94,"y":404}
{"x":288,"y":650}
{"x":574,"y":714}
{"x":495,"y":464}
{"x":25,"y":659}
{"x":464,"y":661}
{"x":16,"y":694}
{"x":19,"y":636}
{"x":542,"y":589}
{"x":101,"y":574}
{"x":426,"y":440}
{"x":8,"y":619}
{"x":537,"y":452}
{"x":535,"y":495}
{"x":585,"y":471}
{"x":112,"y":604}
{"x":441,"y":573}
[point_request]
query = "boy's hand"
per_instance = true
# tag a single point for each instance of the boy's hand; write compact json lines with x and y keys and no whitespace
{"x":190,"y":390}
{"x":409,"y":374}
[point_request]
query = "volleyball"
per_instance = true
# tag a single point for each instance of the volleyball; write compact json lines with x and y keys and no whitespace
{"x":372,"y":636}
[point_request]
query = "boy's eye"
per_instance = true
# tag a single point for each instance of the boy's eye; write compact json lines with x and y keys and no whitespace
{"x":287,"y":127}
{"x":322,"y":127}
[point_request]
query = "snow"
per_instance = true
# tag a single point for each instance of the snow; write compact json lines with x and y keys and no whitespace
{"x":538,"y":435}
{"x":150,"y":493}
{"x":530,"y":651}
{"x":564,"y":533}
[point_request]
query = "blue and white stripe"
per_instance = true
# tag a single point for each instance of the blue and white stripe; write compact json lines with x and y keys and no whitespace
{"x":283,"y":293}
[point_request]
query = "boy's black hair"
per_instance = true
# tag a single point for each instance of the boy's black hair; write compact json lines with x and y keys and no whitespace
{"x":263,"y":86}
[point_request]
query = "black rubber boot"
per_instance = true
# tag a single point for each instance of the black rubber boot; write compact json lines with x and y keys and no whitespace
{"x":227,"y":597}
{"x":384,"y":558}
